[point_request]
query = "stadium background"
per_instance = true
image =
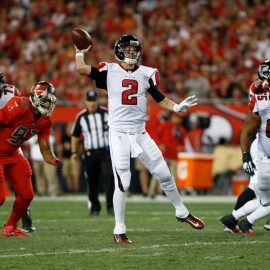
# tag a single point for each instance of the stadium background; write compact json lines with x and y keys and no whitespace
{"x":208,"y":48}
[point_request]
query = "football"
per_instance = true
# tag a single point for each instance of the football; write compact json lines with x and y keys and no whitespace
{"x":81,"y":39}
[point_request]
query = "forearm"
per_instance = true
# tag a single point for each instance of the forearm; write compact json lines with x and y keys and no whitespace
{"x":81,"y":67}
{"x":166,"y":104}
{"x":74,"y":145}
{"x":49,"y":156}
{"x":249,"y":130}
{"x":46,"y":151}
{"x":245,"y":141}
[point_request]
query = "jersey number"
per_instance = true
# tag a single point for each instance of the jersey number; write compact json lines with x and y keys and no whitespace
{"x":20,"y":135}
{"x":126,"y":95}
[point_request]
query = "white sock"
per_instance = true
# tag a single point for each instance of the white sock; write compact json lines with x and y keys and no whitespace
{"x":259,"y":213}
{"x":180,"y":209}
{"x":119,"y":202}
{"x":246,"y":209}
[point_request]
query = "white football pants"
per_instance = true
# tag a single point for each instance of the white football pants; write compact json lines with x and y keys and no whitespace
{"x":151,"y":157}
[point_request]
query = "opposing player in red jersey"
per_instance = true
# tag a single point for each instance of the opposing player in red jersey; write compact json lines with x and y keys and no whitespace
{"x":20,"y":119}
{"x":8,"y":91}
{"x":247,"y":204}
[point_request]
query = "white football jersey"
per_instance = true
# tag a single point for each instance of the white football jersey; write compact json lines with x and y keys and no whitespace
{"x":8,"y":92}
{"x":127,"y":96}
{"x":260,"y":104}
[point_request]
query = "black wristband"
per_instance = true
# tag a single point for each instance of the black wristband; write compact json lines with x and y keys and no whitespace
{"x":246,"y":157}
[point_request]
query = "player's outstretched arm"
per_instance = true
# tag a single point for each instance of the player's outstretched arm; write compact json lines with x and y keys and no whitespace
{"x":181,"y":107}
{"x":249,"y":129}
{"x":81,"y":67}
{"x":48,"y":155}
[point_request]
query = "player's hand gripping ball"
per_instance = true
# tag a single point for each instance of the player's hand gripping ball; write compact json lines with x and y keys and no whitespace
{"x":82,"y":40}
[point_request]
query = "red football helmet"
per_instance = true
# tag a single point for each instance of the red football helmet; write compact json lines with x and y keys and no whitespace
{"x":43,"y":97}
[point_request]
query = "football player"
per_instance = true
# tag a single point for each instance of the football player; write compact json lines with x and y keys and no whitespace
{"x":7,"y":91}
{"x":246,"y":204}
{"x":20,"y":119}
{"x":127,"y":83}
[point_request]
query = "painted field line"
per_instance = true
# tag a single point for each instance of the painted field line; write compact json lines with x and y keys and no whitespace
{"x":139,"y":199}
{"x":129,"y":248}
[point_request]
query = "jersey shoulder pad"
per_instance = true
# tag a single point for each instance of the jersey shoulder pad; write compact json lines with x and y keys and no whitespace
{"x":258,"y":87}
{"x":102,"y":66}
{"x":148,"y":70}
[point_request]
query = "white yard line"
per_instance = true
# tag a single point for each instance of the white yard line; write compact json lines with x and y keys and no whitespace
{"x":138,"y":199}
{"x":131,"y":247}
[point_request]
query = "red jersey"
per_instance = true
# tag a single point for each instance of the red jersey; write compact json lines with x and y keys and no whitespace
{"x":17,"y":125}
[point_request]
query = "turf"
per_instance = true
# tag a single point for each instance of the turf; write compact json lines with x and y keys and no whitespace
{"x":67,"y":238}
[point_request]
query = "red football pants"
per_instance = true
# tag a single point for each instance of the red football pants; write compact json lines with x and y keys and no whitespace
{"x":18,"y":174}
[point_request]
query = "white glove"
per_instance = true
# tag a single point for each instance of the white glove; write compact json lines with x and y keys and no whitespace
{"x":186,"y":104}
{"x":84,"y":50}
{"x":248,"y":165}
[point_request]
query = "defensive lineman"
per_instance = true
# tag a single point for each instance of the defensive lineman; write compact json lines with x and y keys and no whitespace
{"x":127,"y":83}
{"x":8,"y":91}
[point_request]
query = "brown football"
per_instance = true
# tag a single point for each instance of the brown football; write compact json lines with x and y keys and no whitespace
{"x":81,"y":39}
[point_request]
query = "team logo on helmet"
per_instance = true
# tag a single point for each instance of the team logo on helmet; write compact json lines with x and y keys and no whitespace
{"x":43,"y":97}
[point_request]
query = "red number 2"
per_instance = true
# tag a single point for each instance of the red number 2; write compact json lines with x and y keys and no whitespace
{"x":133,"y":89}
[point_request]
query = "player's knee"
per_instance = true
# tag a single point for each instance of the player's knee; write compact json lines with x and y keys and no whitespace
{"x":123,"y":179}
{"x":161,"y":171}
{"x":265,"y":204}
{"x":26,"y":196}
{"x":168,"y":184}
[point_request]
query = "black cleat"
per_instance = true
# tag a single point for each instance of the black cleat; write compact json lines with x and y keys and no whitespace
{"x":27,"y":225}
{"x":193,"y":221}
{"x":246,"y":227}
{"x":121,"y":239}
{"x":230,"y":224}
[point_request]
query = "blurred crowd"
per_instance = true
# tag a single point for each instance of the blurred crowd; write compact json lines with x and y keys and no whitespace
{"x":203,"y":47}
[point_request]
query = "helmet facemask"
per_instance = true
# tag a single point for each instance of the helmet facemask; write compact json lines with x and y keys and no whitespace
{"x":122,"y":53}
{"x":43,"y":97}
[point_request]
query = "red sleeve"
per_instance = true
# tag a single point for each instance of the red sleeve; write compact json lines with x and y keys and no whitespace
{"x":13,"y":108}
{"x":252,"y":104}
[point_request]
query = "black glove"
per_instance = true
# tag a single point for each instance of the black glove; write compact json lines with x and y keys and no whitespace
{"x":248,"y":165}
{"x":58,"y":165}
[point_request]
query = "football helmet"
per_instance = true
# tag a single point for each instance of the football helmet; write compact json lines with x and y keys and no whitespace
{"x":122,"y":43}
{"x":264,"y":70}
{"x":43,"y":97}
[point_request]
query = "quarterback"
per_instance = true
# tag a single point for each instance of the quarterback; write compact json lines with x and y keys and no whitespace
{"x":20,"y":119}
{"x":127,"y":84}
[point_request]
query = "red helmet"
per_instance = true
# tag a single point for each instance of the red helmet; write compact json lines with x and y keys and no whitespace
{"x":43,"y":97}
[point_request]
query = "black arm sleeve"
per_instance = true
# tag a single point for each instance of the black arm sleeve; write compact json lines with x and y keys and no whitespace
{"x":154,"y":92}
{"x":100,"y":77}
{"x":77,"y":129}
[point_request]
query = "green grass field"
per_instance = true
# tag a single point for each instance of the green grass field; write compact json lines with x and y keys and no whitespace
{"x":67,"y":238}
